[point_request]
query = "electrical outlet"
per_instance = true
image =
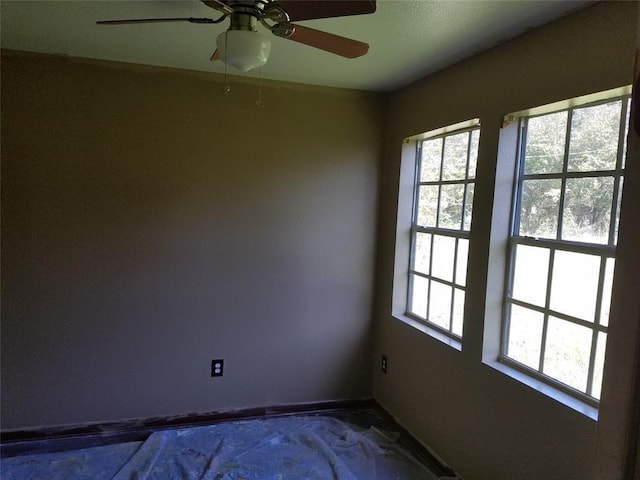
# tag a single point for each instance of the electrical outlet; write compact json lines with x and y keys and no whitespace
{"x":217,"y":367}
{"x":383,"y":364}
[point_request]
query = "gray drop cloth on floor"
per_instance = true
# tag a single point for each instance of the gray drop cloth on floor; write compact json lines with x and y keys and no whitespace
{"x":288,"y":448}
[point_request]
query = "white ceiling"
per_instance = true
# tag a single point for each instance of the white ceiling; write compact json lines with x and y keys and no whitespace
{"x":408,"y":38}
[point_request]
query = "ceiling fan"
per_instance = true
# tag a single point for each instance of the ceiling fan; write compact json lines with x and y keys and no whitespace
{"x":244,"y":48}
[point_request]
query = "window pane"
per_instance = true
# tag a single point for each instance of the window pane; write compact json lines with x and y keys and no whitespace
{"x":594,"y":137}
{"x":422,"y":252}
{"x":458,"y":311}
{"x":566,"y":356}
{"x":545,"y":143}
{"x":431,"y":159}
{"x":440,"y":304}
{"x":461,"y":265}
{"x":539,"y":209}
{"x":427,"y":206}
{"x":525,"y":336}
{"x":442,"y":260}
{"x":606,"y":291}
{"x":574,"y":284}
{"x":419,"y":293}
{"x":530,"y":274}
{"x":454,"y":166}
{"x":451,"y":206}
{"x":473,"y":153}
{"x":598,"y":367}
{"x":468,"y":207}
{"x":587,"y":209}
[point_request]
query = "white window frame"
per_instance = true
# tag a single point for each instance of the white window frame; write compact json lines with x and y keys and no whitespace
{"x":424,"y":324}
{"x":604,"y":251}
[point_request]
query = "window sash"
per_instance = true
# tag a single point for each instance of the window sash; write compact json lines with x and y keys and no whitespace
{"x":594,"y":325}
{"x":558,"y":244}
{"x":455,"y":233}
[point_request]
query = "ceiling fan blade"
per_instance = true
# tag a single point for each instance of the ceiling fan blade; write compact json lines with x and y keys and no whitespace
{"x":219,"y":5}
{"x":311,"y":9}
{"x":156,"y":20}
{"x":345,"y":47}
{"x":215,"y":56}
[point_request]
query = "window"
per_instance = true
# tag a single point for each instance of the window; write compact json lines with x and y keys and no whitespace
{"x":445,"y":169}
{"x":563,"y":243}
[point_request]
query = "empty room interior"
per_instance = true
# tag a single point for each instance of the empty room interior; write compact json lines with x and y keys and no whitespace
{"x":157,"y":219}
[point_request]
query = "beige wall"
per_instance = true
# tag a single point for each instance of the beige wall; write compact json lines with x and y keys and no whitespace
{"x":485,"y":424}
{"x":151,"y":223}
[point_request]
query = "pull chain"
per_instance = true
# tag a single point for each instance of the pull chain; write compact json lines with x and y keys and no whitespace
{"x":227,"y":88}
{"x":259,"y":102}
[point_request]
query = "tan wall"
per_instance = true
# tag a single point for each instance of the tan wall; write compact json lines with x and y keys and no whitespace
{"x":485,"y":424}
{"x":151,"y":223}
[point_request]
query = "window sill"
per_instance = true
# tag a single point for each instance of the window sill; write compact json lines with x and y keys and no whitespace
{"x":432,"y":332}
{"x":564,"y":398}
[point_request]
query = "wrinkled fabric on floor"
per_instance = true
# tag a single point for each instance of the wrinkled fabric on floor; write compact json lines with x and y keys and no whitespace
{"x":288,"y":448}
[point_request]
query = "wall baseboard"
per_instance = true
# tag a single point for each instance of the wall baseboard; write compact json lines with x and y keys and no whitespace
{"x":85,"y":435}
{"x":143,"y":425}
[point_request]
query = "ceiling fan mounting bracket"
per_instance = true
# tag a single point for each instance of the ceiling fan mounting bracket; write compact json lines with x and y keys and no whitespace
{"x":275,"y":13}
{"x":283,"y":30}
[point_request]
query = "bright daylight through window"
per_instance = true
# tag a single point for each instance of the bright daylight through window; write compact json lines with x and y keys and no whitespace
{"x":563,"y":243}
{"x":445,"y":180}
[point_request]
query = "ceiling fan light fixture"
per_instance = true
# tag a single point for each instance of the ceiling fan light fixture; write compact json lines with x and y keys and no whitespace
{"x":243,"y":49}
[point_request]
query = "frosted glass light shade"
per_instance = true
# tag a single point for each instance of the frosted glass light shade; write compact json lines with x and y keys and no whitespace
{"x":243,"y":49}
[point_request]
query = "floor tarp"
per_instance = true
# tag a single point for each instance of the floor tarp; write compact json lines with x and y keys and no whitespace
{"x":286,"y":448}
